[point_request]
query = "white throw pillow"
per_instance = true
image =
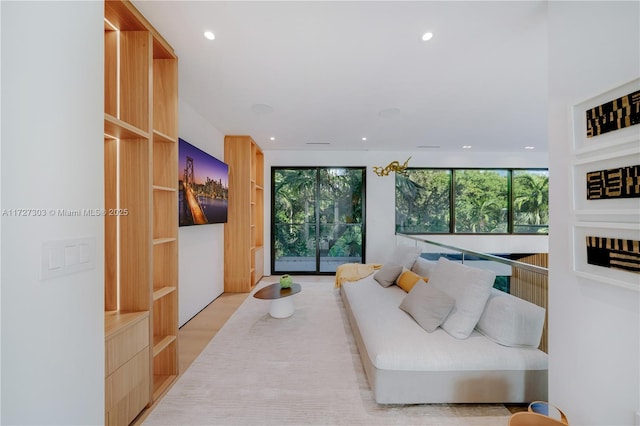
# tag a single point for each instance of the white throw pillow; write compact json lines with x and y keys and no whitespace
{"x":511,"y":321}
{"x":405,"y":255}
{"x":470,"y":287}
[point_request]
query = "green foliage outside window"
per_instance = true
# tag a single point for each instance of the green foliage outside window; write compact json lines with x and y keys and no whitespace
{"x":423,"y":201}
{"x":531,"y":201}
{"x":318,"y":208}
{"x":480,"y":202}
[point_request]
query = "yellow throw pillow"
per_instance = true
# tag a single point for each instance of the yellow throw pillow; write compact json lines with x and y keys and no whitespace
{"x":408,"y":279}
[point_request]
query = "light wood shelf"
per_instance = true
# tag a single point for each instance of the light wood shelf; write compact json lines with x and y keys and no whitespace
{"x":158,"y":241}
{"x":161,"y":137}
{"x":118,"y":129}
{"x":160,"y":343}
{"x":163,"y":188}
{"x":244,"y":228}
{"x":141,"y":175}
{"x":162,"y":292}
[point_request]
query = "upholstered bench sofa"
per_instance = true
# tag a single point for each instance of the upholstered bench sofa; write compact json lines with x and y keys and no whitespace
{"x":447,"y":338}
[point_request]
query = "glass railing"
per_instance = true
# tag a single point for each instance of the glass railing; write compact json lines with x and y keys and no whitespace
{"x":522,"y":275}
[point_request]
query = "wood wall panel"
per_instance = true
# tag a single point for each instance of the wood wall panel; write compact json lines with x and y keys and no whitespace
{"x":533,"y":287}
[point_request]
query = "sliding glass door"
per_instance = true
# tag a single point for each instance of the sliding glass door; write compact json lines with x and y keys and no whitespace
{"x":317,"y":218}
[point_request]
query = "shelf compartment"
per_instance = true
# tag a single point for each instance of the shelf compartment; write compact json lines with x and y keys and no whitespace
{"x":164,"y":314}
{"x":165,"y":344}
{"x":165,"y":270}
{"x":165,"y":214}
{"x":165,"y":99}
{"x":165,"y":162}
{"x":259,"y":213}
{"x":259,"y":264}
{"x":134,"y":228}
{"x":110,"y":72}
{"x":110,"y":226}
{"x":135,"y":53}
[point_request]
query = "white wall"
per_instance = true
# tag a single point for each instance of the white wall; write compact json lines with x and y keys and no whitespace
{"x":380,"y":196}
{"x":201,"y":248}
{"x":594,"y":328}
{"x":52,"y":158}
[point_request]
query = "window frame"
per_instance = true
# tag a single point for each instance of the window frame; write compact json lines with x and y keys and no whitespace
{"x":452,"y":194}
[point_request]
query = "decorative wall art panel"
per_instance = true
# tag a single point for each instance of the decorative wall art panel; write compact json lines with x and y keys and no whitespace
{"x":606,"y":187}
{"x":608,"y":120}
{"x":607,"y":252}
{"x":615,"y":253}
{"x":613,"y":115}
{"x":621,"y":182}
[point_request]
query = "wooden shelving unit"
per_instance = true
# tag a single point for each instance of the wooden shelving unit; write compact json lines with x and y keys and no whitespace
{"x":244,"y":230}
{"x":141,"y":238}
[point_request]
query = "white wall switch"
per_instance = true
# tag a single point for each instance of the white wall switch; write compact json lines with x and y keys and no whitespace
{"x":83,"y":253}
{"x":70,"y":255}
{"x":64,"y":257}
{"x":54,"y":258}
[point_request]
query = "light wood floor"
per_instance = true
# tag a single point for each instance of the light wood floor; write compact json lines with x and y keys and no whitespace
{"x":196,"y":334}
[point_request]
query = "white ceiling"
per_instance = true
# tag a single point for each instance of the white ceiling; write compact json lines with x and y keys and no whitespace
{"x":328,"y":72}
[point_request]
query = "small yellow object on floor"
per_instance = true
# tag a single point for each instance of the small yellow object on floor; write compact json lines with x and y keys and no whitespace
{"x":354,"y":271}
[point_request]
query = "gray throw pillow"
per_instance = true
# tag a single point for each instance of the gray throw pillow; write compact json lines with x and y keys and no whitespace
{"x":423,"y":267}
{"x":387,"y":275}
{"x":427,"y":305}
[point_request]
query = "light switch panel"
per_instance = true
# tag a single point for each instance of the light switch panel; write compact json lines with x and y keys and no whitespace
{"x":68,"y":256}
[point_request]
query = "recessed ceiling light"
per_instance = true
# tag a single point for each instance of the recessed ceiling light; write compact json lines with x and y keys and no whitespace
{"x":529,"y":147}
{"x":209,"y":35}
{"x":427,"y":36}
{"x":364,"y":139}
{"x":272,"y":138}
{"x":466,"y":146}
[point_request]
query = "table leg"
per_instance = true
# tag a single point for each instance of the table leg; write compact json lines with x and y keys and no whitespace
{"x":282,"y":308}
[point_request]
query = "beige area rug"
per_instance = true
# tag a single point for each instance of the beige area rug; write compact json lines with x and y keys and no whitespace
{"x":301,"y":370}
